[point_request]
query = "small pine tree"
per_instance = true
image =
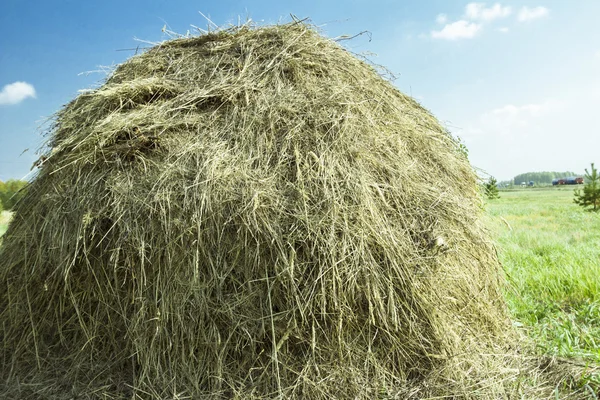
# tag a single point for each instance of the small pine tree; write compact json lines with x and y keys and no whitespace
{"x":491,"y":189}
{"x":590,"y":196}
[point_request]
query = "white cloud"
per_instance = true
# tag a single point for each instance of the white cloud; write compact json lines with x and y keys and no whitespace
{"x":476,"y":16}
{"x":528,"y":14}
{"x":441,"y":19}
{"x":506,"y":120}
{"x":511,"y":110}
{"x":457,"y":30}
{"x":16,"y":92}
{"x":504,"y":29}
{"x":513,"y":121}
{"x":516,"y":138}
{"x":478,"y":11}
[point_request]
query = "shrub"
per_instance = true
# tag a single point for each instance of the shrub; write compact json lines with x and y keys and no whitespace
{"x":589,"y":197}
{"x":491,"y":189}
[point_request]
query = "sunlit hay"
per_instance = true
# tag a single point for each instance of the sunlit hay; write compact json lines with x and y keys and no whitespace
{"x":257,"y":213}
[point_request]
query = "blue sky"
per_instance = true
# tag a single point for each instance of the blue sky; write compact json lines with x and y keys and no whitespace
{"x":518,"y":81}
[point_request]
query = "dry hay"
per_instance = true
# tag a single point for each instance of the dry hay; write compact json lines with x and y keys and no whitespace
{"x":251,"y":213}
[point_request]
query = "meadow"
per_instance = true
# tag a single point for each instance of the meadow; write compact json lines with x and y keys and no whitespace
{"x":550,"y":251}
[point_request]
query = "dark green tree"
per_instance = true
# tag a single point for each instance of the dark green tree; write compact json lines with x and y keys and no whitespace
{"x":590,"y":196}
{"x":491,"y":189}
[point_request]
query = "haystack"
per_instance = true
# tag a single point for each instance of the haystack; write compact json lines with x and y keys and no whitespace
{"x":251,"y":213}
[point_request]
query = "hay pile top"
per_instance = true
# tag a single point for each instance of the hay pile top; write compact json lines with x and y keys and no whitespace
{"x":254,"y":212}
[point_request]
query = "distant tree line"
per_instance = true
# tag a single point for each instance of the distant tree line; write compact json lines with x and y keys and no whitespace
{"x":544,"y":177}
{"x":10,"y":192}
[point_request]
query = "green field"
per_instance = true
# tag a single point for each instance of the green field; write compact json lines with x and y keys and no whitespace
{"x":550,"y":250}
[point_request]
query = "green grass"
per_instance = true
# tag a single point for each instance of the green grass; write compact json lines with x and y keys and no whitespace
{"x":551,"y":255}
